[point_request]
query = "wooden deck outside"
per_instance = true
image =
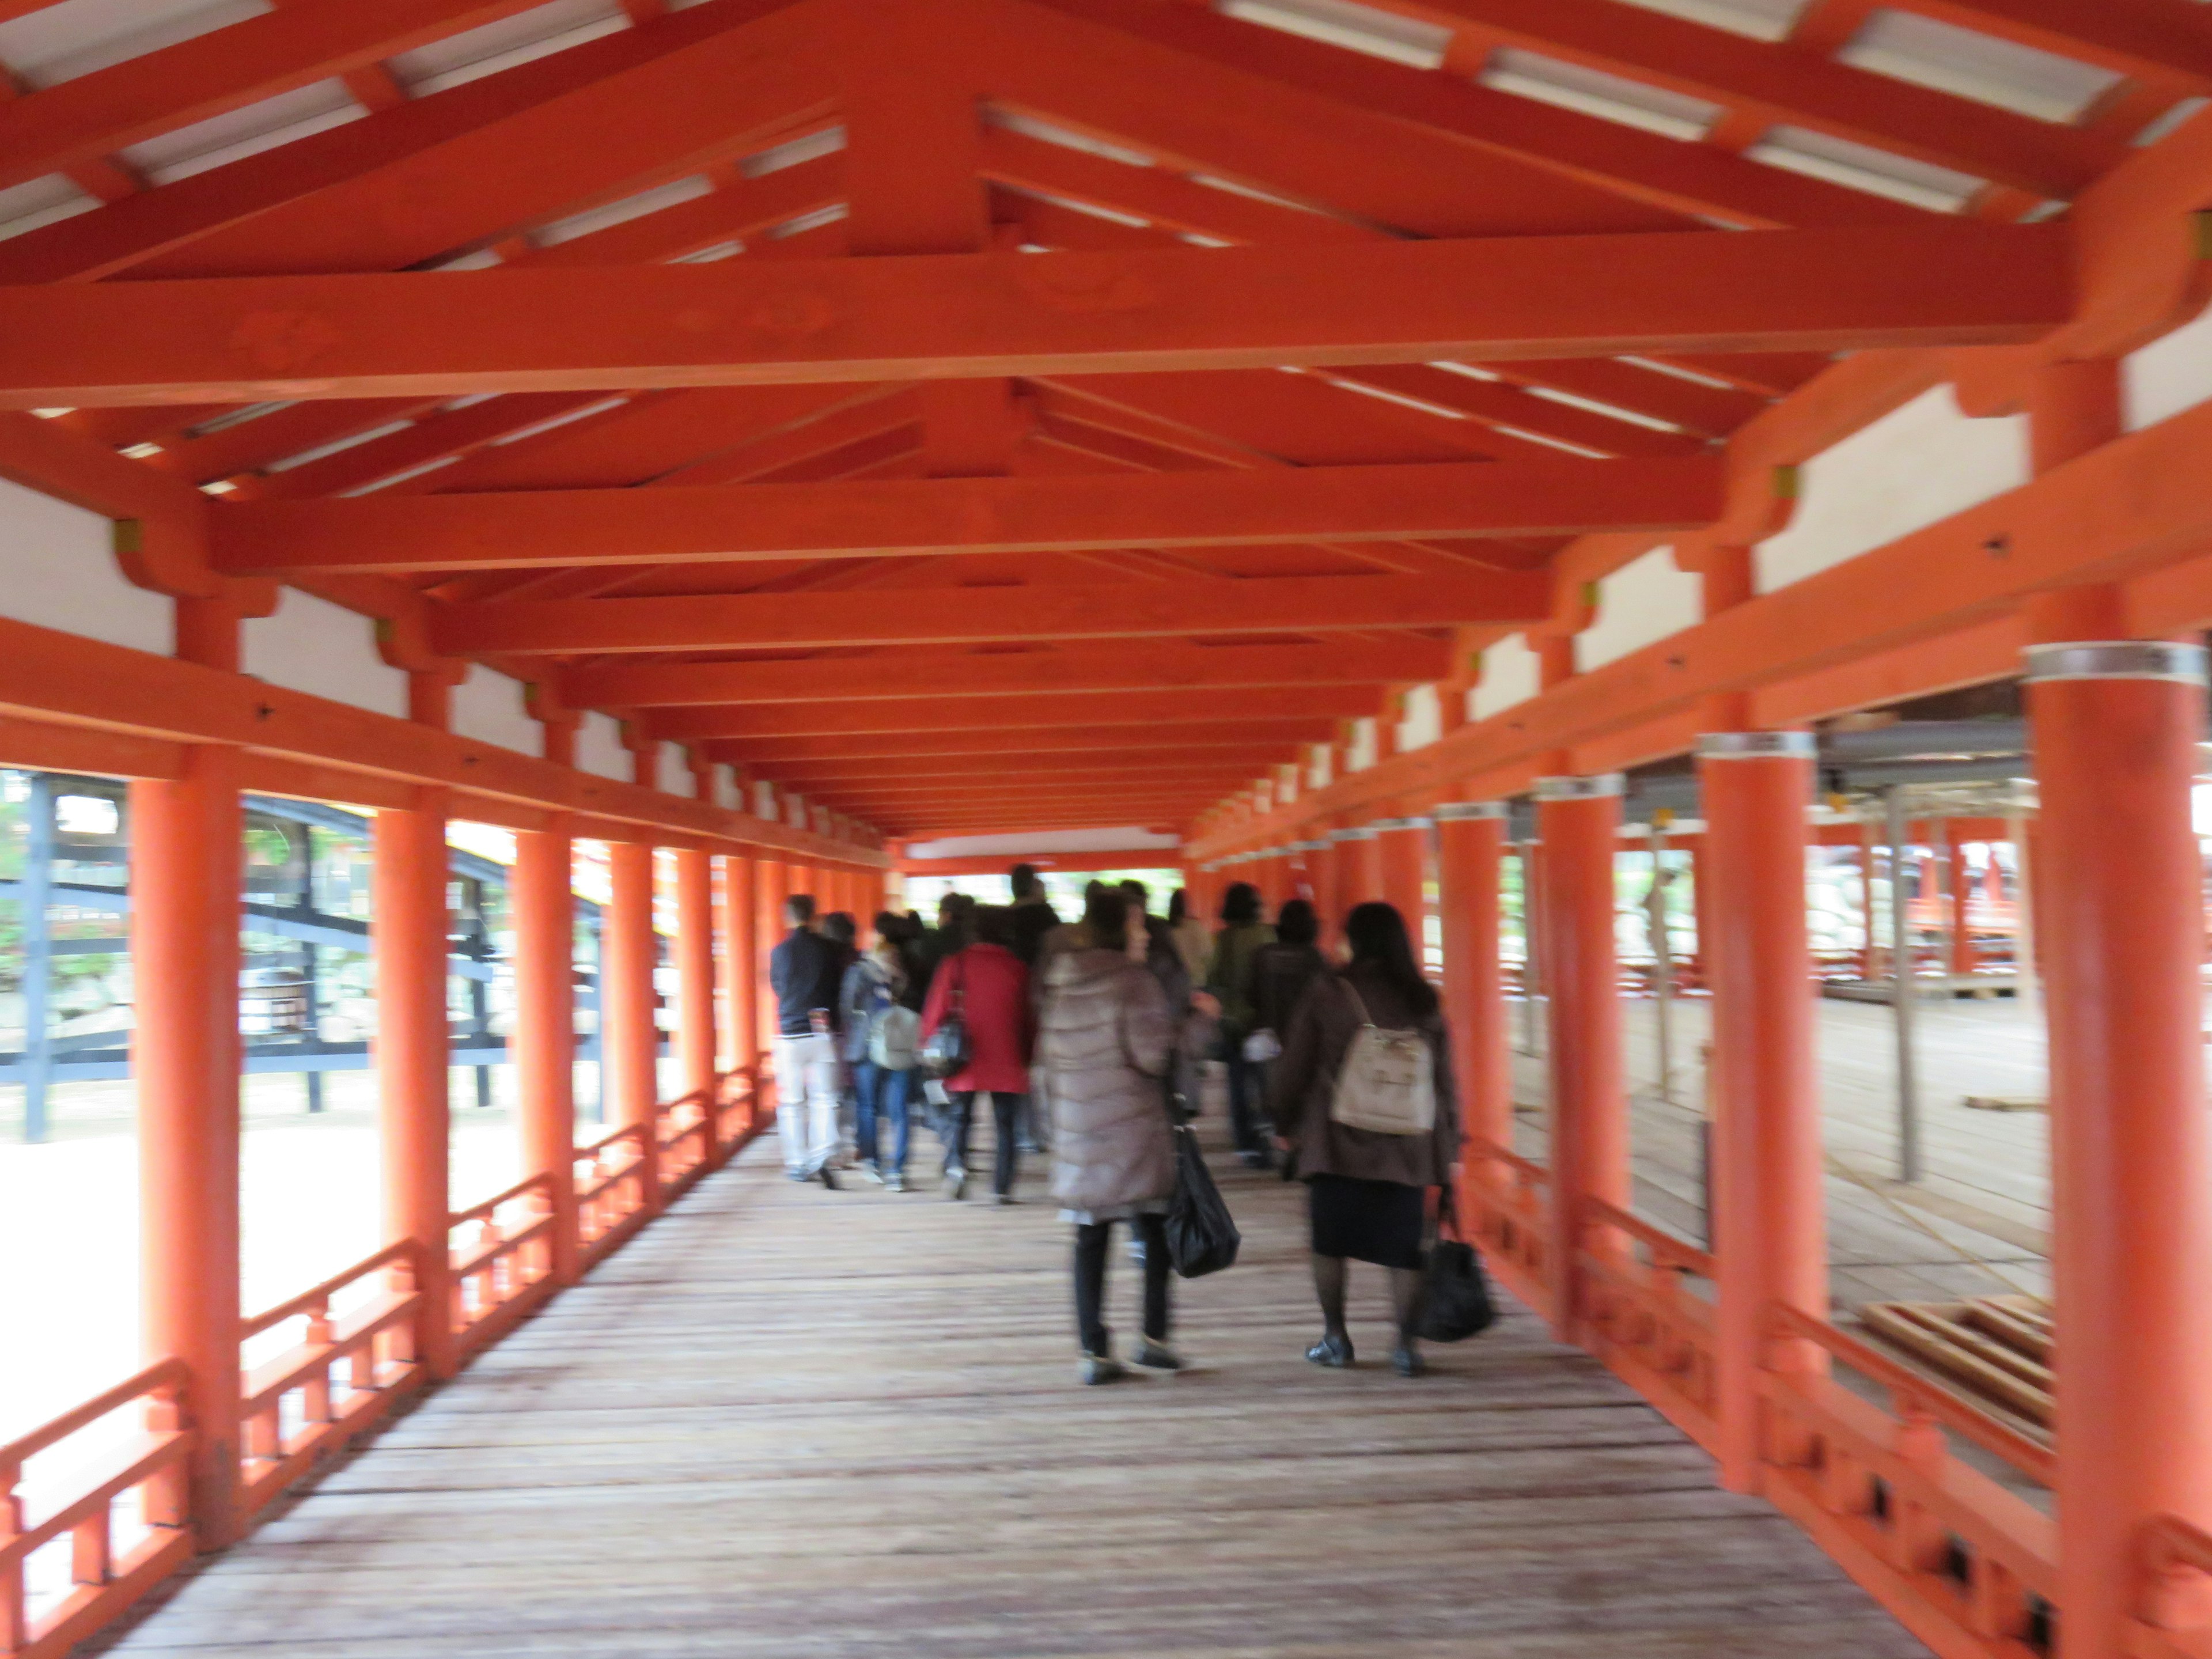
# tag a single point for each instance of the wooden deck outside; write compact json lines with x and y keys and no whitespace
{"x":782,"y":1423}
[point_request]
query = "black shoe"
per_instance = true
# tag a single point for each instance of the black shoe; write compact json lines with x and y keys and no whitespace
{"x":1097,"y":1368}
{"x":1405,"y":1360}
{"x":828,"y":1176}
{"x":1155,"y":1356}
{"x":1332,"y":1350}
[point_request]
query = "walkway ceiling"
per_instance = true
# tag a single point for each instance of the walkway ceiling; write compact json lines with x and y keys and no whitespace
{"x":716,"y":365}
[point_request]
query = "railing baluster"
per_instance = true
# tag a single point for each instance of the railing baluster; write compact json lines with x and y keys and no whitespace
{"x":92,"y":1553}
{"x":15,"y":1625}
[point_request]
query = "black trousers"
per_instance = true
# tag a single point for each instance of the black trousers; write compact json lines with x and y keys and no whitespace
{"x":1006,"y":1115}
{"x":1092,"y":1240}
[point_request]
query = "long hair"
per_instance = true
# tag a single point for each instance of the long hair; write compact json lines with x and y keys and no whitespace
{"x":1377,"y":933}
{"x":1240,"y":905}
{"x":1178,"y":906}
{"x":1106,"y":913}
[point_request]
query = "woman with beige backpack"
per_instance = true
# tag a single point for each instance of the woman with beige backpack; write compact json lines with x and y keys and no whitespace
{"x":1362,"y":1098}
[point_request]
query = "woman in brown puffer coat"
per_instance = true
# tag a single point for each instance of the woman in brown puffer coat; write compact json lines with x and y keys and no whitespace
{"x":1105,"y":1041}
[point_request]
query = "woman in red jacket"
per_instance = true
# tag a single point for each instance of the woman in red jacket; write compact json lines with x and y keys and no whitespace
{"x":987,"y":985}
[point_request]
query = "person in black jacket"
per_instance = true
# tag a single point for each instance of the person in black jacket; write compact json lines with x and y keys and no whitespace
{"x":1282,"y":971}
{"x":805,"y":971}
{"x":1033,"y":916}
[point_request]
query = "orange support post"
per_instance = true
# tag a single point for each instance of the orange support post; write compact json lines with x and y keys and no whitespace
{"x":695,"y":967}
{"x":1769,"y":1227}
{"x":408,"y":927}
{"x":1325,"y":870}
{"x":1962,"y":942}
{"x":1367,"y":882}
{"x":1579,"y":822}
{"x":545,"y":1043}
{"x":771,"y":887}
{"x":2116,"y":728}
{"x":631,"y":1037}
{"x":185,"y":836}
{"x":740,"y":961}
{"x":1402,"y":852}
{"x":1470,"y":849}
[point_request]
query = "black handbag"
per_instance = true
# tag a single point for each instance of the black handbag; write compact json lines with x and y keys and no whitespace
{"x":947,"y":1051}
{"x":1202,"y":1237}
{"x":1455,"y":1299}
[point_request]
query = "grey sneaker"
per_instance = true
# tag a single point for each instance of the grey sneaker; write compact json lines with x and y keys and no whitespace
{"x":956,"y":1183}
{"x":1097,"y":1368}
{"x":1005,"y":1198}
{"x":871,"y":1170}
{"x":1151,"y":1356}
{"x":895,"y":1181}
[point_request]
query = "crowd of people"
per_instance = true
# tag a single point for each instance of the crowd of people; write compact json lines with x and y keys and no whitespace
{"x":1089,"y":1037}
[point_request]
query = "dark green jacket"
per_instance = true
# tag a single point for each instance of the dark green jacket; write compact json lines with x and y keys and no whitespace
{"x":1229,"y":976}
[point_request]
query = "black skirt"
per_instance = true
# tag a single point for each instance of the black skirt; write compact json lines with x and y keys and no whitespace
{"x":1377,"y":1221}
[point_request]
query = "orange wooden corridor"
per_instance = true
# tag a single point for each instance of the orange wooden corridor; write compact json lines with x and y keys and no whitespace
{"x":1320,"y":441}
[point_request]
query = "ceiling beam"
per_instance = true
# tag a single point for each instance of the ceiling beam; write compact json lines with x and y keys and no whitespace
{"x":1271,"y":604}
{"x":969,"y":315}
{"x":1262,"y":743}
{"x":1159,"y":665}
{"x":1164,"y":708}
{"x":549,"y":529}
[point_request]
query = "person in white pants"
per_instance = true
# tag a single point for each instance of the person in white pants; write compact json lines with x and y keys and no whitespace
{"x":807,"y":1078}
{"x":806,"y":970}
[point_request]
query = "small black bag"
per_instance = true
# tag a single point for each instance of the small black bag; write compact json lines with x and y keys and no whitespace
{"x":1455,"y":1299}
{"x":947,"y":1050}
{"x":1202,"y":1237}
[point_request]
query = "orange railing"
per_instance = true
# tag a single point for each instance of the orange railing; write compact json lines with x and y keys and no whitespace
{"x":2172,"y":1621}
{"x":355,"y":1358}
{"x":506,"y":1267}
{"x":1506,"y":1207}
{"x":292,"y":1413}
{"x":1641,"y":1322}
{"x":1967,"y":1565}
{"x":101,"y":1582}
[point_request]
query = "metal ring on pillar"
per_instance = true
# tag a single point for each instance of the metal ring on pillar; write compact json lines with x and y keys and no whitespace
{"x":1460,"y":811}
{"x":1758,"y":746}
{"x":2116,"y":660}
{"x":1384,"y":826}
{"x":1603,"y":785}
{"x":1365,"y":832}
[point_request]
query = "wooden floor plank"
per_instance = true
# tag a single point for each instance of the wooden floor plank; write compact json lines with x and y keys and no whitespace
{"x":784,"y":1424}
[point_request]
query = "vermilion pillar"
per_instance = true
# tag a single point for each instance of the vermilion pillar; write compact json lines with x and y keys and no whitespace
{"x":740,"y":963}
{"x":1402,"y":852}
{"x":1769,"y":1226}
{"x":1578,"y":820}
{"x":2116,"y":727}
{"x":1470,"y":849}
{"x":771,"y":887}
{"x":631,"y":1037}
{"x":1961,"y":884}
{"x":1322,"y":872}
{"x":186,"y":854}
{"x":695,"y":967}
{"x":545,"y":1024}
{"x":408,"y":927}
{"x":1367,"y":882}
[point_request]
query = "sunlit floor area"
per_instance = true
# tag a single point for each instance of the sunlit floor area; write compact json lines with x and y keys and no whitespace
{"x":785,"y":1422}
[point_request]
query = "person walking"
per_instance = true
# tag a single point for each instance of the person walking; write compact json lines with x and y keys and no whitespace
{"x":1229,"y":977}
{"x":1191,"y":938}
{"x":1033,"y":916}
{"x":1283,"y":971}
{"x":805,"y":970}
{"x":1105,"y":1045}
{"x":1366,"y":1187}
{"x":880,"y":1039}
{"x":987,"y":987}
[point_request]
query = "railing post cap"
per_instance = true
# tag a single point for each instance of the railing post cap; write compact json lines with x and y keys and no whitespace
{"x":2116,"y":660}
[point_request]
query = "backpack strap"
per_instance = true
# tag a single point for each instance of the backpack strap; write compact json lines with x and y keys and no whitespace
{"x":1358,"y":1001}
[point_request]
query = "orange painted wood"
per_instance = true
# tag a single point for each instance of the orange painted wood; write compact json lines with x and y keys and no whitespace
{"x":544,"y":1041}
{"x":1154,"y":666}
{"x":941,"y":616}
{"x":869,"y":519}
{"x":737,"y":323}
{"x":1010,"y":713}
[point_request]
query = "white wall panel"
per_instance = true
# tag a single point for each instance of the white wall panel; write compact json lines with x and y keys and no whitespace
{"x":1644,"y":601}
{"x":599,"y":749}
{"x":1914,"y":467}
{"x":1360,"y":752}
{"x":310,"y":645}
{"x":488,"y":707}
{"x":1512,"y":673}
{"x":676,"y":771}
{"x":2168,"y":375}
{"x":1423,"y":722}
{"x":57,"y":570}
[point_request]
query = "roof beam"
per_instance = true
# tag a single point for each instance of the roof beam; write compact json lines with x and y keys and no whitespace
{"x":1007,"y":714}
{"x":976,"y":315}
{"x":547,"y":529}
{"x":1162,"y":666}
{"x":971,"y":616}
{"x":1258,"y":744}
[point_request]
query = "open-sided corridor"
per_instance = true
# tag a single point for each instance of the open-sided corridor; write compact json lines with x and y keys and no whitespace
{"x":782,"y":1423}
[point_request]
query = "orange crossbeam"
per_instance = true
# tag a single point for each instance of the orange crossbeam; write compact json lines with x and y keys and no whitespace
{"x":1264,"y":742}
{"x":1014,"y":713}
{"x":743,"y":322}
{"x":956,"y":615}
{"x":1155,"y":667}
{"x":549,"y":529}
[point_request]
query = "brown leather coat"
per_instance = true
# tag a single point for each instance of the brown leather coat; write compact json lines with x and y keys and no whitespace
{"x":1303,"y":1079}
